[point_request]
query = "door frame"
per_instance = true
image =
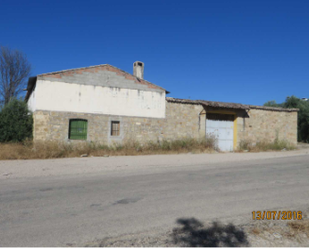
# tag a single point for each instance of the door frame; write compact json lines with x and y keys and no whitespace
{"x":234,"y":126}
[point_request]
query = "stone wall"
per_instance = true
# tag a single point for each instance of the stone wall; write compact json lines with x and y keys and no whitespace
{"x":181,"y":121}
{"x":266,"y":125}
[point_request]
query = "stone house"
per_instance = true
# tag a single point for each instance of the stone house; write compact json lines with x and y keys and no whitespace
{"x":107,"y":105}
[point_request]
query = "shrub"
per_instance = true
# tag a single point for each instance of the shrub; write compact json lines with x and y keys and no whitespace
{"x":15,"y":122}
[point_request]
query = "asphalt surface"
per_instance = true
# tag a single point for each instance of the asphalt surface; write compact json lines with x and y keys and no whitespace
{"x":77,"y":208}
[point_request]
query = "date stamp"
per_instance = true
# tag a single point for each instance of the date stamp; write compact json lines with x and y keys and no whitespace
{"x":277,"y":215}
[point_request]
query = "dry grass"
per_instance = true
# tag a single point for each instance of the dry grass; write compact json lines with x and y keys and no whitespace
{"x":297,"y":231}
{"x":44,"y":150}
{"x":297,"y":227}
{"x":256,"y":231}
{"x":276,"y":145}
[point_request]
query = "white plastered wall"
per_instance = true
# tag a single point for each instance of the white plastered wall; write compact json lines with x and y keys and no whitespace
{"x":69,"y":97}
{"x":32,"y":102}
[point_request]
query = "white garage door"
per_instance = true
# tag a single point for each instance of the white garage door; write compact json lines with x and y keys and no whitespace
{"x":221,"y":126}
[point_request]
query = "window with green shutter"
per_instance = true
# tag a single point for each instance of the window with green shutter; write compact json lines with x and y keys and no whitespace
{"x":78,"y":129}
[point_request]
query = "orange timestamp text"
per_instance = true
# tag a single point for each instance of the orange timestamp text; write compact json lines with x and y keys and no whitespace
{"x":277,"y":215}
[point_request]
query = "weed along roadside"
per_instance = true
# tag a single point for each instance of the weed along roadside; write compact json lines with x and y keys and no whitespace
{"x":277,"y":144}
{"x":50,"y":149}
{"x":53,"y":149}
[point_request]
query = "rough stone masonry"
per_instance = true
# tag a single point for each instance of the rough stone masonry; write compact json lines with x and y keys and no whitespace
{"x":182,"y":121}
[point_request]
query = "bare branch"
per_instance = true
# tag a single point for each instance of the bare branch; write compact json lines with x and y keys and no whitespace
{"x":14,"y":72}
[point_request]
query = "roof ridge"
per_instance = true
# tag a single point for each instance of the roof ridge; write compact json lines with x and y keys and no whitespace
{"x":73,"y":69}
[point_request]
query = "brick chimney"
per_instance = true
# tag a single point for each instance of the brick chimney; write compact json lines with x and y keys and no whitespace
{"x":138,"y":69}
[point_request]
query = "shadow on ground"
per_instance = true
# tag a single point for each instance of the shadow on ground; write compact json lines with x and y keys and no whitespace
{"x":193,"y":233}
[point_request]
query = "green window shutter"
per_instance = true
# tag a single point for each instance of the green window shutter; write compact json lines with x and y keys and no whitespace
{"x":78,"y":129}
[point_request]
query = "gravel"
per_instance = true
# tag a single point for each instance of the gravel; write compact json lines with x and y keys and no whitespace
{"x":275,"y":233}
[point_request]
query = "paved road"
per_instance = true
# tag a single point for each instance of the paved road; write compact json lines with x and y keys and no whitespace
{"x":73,"y":209}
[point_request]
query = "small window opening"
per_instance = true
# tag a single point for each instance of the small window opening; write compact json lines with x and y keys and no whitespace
{"x":78,"y":129}
{"x":115,"y":128}
{"x":140,"y":64}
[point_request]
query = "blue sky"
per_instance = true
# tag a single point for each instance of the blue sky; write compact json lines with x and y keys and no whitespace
{"x":233,"y":51}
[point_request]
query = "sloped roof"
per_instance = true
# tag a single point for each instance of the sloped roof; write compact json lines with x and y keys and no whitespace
{"x":216,"y":104}
{"x":79,"y":72}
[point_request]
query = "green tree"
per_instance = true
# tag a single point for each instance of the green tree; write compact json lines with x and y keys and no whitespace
{"x":15,"y":122}
{"x":303,"y":115}
{"x":272,"y":103}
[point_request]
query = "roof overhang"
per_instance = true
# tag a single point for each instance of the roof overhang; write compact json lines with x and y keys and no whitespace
{"x":226,"y":105}
{"x":206,"y":103}
{"x":30,"y":87}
